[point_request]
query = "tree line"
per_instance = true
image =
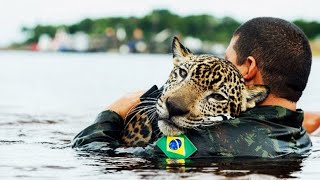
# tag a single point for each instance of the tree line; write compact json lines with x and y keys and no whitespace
{"x":204,"y":27}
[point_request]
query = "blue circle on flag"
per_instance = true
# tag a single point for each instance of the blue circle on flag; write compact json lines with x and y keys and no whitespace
{"x":175,"y":144}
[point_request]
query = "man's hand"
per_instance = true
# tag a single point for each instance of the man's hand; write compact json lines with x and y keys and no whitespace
{"x":311,"y":122}
{"x":125,"y":103}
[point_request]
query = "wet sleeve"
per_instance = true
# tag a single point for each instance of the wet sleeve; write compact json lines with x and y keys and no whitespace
{"x":107,"y":128}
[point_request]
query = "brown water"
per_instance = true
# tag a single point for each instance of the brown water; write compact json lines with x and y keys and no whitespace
{"x":46,"y":99}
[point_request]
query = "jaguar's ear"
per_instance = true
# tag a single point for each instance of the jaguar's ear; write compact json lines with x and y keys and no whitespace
{"x":256,"y":94}
{"x":180,"y":53}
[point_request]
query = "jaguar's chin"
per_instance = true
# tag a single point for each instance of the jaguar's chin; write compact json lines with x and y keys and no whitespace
{"x":169,"y":129}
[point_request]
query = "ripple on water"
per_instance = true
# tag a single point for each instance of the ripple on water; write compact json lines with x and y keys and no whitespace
{"x":9,"y":119}
{"x":6,"y":142}
{"x":40,"y":121}
{"x":36,"y":144}
{"x":49,"y":152}
{"x":58,"y":167}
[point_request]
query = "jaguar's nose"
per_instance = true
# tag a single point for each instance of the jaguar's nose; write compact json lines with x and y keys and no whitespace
{"x":176,"y":108}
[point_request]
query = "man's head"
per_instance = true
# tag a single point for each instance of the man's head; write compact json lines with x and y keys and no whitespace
{"x":275,"y":49}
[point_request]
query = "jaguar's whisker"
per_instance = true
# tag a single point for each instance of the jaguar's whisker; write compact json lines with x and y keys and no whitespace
{"x":137,"y":107}
{"x":149,"y":111}
{"x":132,"y":118}
{"x":134,"y":110}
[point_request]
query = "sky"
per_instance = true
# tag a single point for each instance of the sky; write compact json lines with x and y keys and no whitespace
{"x":15,"y":14}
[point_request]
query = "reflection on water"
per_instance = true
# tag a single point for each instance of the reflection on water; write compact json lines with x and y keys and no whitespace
{"x":280,"y":168}
{"x":216,"y":167}
{"x":47,"y":98}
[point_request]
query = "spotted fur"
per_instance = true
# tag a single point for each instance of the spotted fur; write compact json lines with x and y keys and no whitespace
{"x":202,"y":90}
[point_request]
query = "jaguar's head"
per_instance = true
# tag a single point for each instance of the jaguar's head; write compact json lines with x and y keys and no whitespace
{"x":203,"y":90}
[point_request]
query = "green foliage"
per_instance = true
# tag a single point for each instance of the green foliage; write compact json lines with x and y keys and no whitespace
{"x":205,"y":27}
{"x":311,"y":29}
{"x":36,"y":32}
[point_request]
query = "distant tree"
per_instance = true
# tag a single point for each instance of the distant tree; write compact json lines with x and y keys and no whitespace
{"x":37,"y":31}
{"x":311,"y":29}
{"x":205,"y":27}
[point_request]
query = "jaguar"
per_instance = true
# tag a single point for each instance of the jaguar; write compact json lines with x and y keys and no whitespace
{"x":202,"y":90}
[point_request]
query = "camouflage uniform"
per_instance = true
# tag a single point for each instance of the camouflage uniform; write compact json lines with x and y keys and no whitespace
{"x":264,"y":131}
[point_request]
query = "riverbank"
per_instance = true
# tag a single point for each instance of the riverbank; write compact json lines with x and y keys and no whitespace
{"x":315,"y":47}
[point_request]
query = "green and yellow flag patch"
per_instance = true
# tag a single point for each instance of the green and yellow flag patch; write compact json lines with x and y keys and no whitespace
{"x":176,"y":147}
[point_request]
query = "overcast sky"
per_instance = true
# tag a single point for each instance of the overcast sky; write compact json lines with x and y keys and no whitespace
{"x":18,"y":13}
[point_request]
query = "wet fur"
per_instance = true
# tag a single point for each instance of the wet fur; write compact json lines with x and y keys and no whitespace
{"x":204,"y":89}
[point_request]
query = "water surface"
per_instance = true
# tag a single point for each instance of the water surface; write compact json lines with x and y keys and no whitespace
{"x":47,"y":98}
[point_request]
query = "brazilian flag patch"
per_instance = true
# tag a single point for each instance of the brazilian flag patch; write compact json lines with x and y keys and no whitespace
{"x":176,"y":147}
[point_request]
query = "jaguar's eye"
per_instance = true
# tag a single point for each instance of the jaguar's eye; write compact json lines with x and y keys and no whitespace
{"x":217,"y":97}
{"x":183,"y":73}
{"x":174,"y":74}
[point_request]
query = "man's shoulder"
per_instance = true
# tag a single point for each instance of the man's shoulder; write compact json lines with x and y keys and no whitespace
{"x":261,"y":132}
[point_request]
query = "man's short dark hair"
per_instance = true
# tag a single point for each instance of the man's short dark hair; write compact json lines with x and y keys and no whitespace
{"x":282,"y":52}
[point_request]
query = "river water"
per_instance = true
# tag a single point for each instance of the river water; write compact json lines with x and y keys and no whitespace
{"x":47,"y":98}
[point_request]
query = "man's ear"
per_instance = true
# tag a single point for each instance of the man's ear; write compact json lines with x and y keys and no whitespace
{"x":256,"y":94}
{"x":180,"y":53}
{"x":252,"y":68}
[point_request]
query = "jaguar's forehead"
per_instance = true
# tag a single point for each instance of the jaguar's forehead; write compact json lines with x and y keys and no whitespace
{"x":205,"y":57}
{"x":209,"y":71}
{"x":209,"y":63}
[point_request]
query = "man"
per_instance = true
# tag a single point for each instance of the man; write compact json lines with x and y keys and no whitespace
{"x":268,"y":51}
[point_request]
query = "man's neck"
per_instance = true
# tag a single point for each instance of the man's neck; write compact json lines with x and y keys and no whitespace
{"x":276,"y":101}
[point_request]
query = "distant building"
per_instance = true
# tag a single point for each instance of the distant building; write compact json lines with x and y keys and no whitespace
{"x":137,"y":44}
{"x":80,"y":42}
{"x":62,"y":41}
{"x":194,"y":44}
{"x":111,"y":41}
{"x":44,"y":43}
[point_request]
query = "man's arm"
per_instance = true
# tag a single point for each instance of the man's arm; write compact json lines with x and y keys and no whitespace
{"x":123,"y":105}
{"x":108,"y":126}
